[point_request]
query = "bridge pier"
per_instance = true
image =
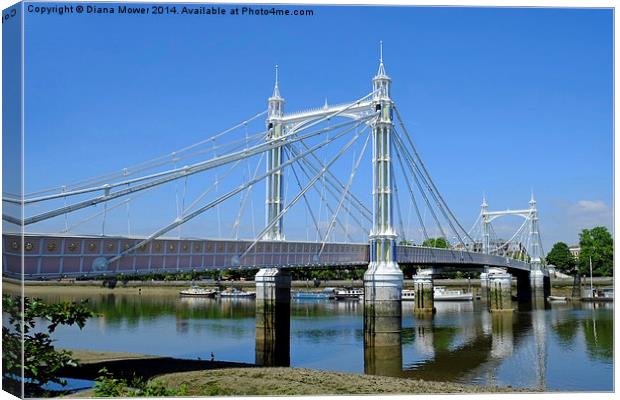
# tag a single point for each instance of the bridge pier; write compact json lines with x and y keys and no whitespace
{"x":424,"y":301}
{"x":500,"y":292}
{"x":382,"y":306}
{"x":273,"y":316}
{"x":484,"y":279}
{"x":533,"y":288}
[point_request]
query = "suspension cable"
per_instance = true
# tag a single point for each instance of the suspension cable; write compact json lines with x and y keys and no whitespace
{"x":408,"y":136}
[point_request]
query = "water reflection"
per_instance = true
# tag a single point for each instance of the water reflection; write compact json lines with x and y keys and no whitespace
{"x":567,"y":346}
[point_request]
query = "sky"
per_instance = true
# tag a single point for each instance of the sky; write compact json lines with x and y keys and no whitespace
{"x":499,"y":101}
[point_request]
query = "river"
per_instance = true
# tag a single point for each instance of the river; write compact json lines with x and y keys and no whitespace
{"x":567,"y":347}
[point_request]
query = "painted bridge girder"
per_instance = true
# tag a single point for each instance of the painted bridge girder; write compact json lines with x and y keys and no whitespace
{"x":53,"y":256}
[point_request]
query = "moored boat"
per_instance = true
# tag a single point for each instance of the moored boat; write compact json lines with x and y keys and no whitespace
{"x":325,"y":294}
{"x":440,"y":293}
{"x":408,"y":295}
{"x":349,"y":294}
{"x":556,"y":298}
{"x":236,"y":293}
{"x":198,"y":292}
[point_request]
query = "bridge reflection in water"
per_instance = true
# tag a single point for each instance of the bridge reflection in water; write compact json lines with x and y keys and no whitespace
{"x":462,"y":351}
{"x":567,"y":347}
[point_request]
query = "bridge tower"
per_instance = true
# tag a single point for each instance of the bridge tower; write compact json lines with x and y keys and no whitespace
{"x":539,"y":283}
{"x":383,"y":279}
{"x":273,"y":285}
{"x":484,"y":229}
{"x":274,"y":190}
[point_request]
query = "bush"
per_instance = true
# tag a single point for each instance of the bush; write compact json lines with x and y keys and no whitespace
{"x":41,"y":362}
{"x":108,"y":386}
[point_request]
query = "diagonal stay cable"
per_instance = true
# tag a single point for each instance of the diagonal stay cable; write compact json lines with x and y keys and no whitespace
{"x":411,"y":194}
{"x":182,"y":172}
{"x":397,"y":203}
{"x":157,"y":161}
{"x":183,"y":219}
{"x":343,"y":194}
{"x":408,"y":136}
{"x":419,"y":185}
{"x":247,"y":194}
{"x":300,"y":195}
{"x":329,"y":190}
{"x":308,"y":207}
{"x":432,"y":192}
{"x":203,"y":165}
{"x":338,"y":185}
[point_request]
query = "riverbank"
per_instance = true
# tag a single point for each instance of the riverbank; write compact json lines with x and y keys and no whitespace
{"x":174,"y":285}
{"x":220,"y":378}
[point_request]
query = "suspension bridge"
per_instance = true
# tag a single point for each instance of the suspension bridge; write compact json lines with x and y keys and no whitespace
{"x":298,"y":152}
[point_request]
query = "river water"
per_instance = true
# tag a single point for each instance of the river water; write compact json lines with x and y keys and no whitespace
{"x":567,"y":347}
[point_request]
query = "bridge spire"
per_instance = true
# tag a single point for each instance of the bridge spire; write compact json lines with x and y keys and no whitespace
{"x":484,"y":221}
{"x":276,"y":89}
{"x":381,"y":72}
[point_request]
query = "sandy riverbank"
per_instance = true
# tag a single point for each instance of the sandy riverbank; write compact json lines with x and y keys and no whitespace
{"x":222,"y":378}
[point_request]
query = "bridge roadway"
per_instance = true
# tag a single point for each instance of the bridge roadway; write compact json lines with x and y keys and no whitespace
{"x":53,"y":256}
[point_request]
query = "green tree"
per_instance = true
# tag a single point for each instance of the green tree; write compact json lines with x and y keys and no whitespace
{"x":562,"y":258}
{"x":596,"y":243}
{"x":439,"y":242}
{"x":41,"y":362}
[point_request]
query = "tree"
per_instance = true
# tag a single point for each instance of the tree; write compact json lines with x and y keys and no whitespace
{"x":439,"y":242}
{"x":41,"y":361}
{"x":562,"y":258}
{"x":597,"y":244}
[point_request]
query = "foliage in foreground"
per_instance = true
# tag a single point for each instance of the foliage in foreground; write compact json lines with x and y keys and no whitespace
{"x":108,"y":386}
{"x":41,"y":362}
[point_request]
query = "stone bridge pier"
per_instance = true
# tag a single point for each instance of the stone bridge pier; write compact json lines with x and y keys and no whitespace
{"x":533,"y":288}
{"x":424,"y":292}
{"x":273,"y":317}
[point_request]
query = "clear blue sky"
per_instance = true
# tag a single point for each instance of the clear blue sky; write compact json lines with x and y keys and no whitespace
{"x":498,"y":100}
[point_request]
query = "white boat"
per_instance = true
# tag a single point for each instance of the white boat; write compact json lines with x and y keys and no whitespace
{"x":236,"y":293}
{"x":408,"y":295}
{"x":198,"y":291}
{"x":349,"y":294}
{"x":556,"y":298}
{"x":440,"y":293}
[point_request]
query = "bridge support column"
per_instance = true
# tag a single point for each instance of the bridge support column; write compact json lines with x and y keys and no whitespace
{"x":500,"y":292}
{"x":273,"y":316}
{"x":424,"y":302}
{"x":533,"y":288}
{"x":540,"y":288}
{"x":382,"y":306}
{"x":484,"y":279}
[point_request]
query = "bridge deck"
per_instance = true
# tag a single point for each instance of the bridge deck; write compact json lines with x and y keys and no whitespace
{"x":53,"y":256}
